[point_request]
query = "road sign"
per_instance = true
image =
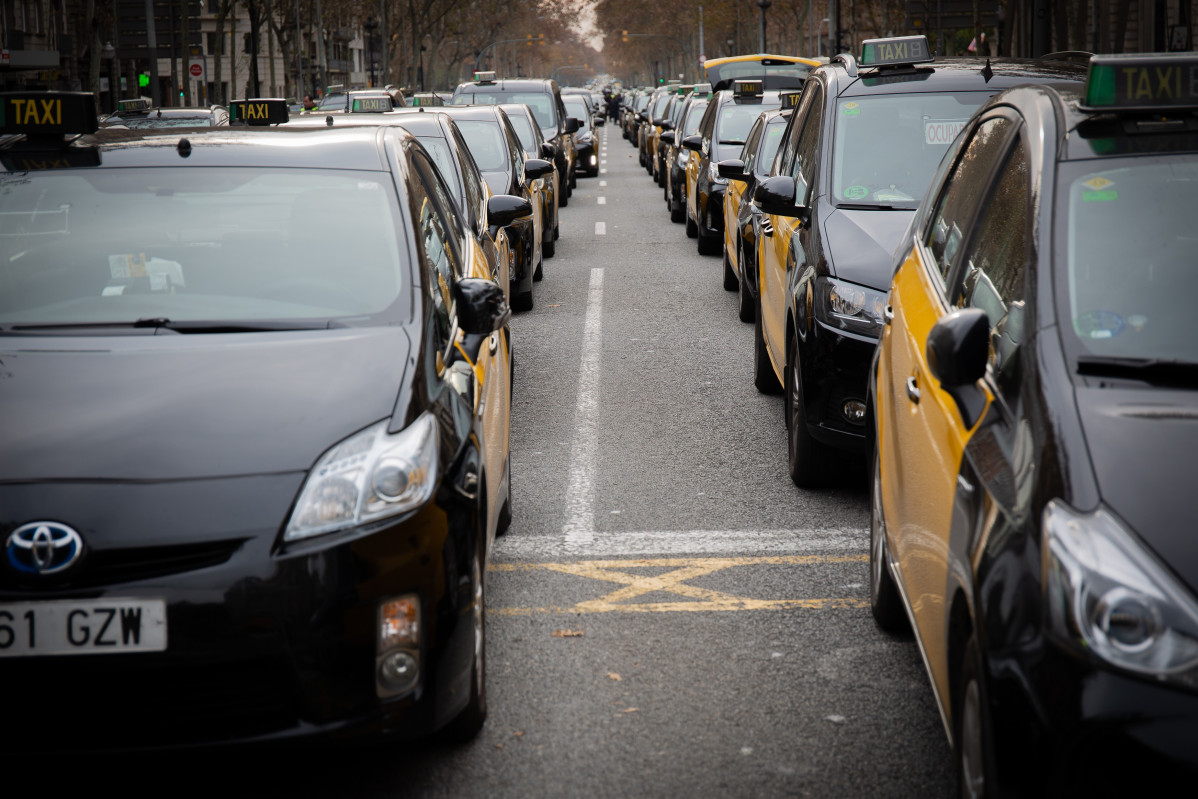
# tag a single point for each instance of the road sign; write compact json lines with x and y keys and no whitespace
{"x":197,"y":70}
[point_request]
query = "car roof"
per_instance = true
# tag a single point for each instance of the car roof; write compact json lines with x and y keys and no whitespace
{"x":948,"y":75}
{"x":510,"y":84}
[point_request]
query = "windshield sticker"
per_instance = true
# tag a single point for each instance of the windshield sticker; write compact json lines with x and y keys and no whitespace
{"x":941,"y":131}
{"x":1137,"y":321}
{"x":851,"y":109}
{"x":1100,"y":191}
{"x":856,"y":193}
{"x":1099,"y":324}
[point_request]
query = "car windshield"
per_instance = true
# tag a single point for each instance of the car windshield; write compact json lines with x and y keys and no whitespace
{"x":438,"y":148}
{"x":486,"y":144}
{"x":117,"y":245}
{"x":541,"y":103}
{"x":1131,"y":254}
{"x":333,"y":101}
{"x":888,"y":146}
{"x":736,"y":120}
{"x":693,"y":117}
{"x":523,"y":128}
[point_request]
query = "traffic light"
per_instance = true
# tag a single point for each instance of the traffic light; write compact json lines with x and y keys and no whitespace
{"x":624,"y":36}
{"x":528,"y":41}
{"x":143,"y":80}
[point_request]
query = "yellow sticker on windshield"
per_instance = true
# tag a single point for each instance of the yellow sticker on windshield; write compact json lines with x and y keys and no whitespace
{"x":851,"y":109}
{"x":1098,"y":184}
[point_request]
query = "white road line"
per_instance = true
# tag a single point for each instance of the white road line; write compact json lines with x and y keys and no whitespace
{"x":603,"y":201}
{"x":591,"y":544}
{"x":604,"y":161}
{"x":602,"y":183}
{"x":600,"y":228}
{"x":580,"y":484}
{"x":602,"y":171}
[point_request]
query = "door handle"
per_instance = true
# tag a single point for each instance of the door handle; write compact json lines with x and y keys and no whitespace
{"x":888,"y":315}
{"x":912,"y":389}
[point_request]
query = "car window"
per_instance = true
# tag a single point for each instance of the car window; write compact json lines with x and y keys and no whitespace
{"x":438,"y":148}
{"x":807,"y":144}
{"x":694,"y":116}
{"x":789,"y":150}
{"x":995,"y":265}
{"x":960,"y":196}
{"x":523,"y":127}
{"x":440,"y":260}
{"x":121,"y":244}
{"x":886,"y":147}
{"x":771,"y":138}
{"x":541,"y":103}
{"x":576,"y":107}
{"x":485,"y":139}
{"x":750,"y":149}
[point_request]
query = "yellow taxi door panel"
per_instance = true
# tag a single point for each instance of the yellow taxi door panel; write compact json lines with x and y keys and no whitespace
{"x":773,"y":288}
{"x":692,"y":179}
{"x":732,"y":198}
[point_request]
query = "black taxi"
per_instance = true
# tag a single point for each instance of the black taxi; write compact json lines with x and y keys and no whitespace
{"x":856,"y":157}
{"x":246,"y":467}
{"x":1035,"y":399}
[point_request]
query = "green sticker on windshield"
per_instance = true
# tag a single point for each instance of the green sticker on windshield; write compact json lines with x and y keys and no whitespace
{"x":855,"y":193}
{"x":1100,"y":196}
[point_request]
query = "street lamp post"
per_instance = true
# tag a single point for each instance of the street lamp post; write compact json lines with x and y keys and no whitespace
{"x":371,"y":26}
{"x":730,"y":42}
{"x":763,"y":5}
{"x":109,"y":54}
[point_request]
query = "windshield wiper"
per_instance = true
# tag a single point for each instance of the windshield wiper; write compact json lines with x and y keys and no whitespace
{"x":731,"y":141}
{"x":870,"y":207}
{"x":1158,"y":371}
{"x":184,"y":326}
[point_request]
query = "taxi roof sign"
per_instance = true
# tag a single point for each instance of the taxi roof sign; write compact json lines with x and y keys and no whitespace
{"x":484,"y":77}
{"x":895,"y":51}
{"x":261,"y":111}
{"x":48,"y":113}
{"x":371,"y":104}
{"x":748,"y":88}
{"x":1141,"y":82}
{"x":135,"y":104}
{"x":790,"y":99}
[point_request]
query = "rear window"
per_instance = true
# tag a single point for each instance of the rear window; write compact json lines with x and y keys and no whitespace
{"x":541,"y":103}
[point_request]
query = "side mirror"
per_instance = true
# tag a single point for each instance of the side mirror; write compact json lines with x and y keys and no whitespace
{"x":693,"y":143}
{"x":504,"y":209}
{"x":571,"y":124}
{"x":959,"y":347}
{"x":535,"y":168}
{"x":549,"y":149}
{"x":733,"y":169}
{"x":481,"y":306}
{"x":600,"y":121}
{"x":777,"y":195}
{"x":667,"y":137}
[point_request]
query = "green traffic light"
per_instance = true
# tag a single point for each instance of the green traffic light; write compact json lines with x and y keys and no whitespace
{"x":143,"y":80}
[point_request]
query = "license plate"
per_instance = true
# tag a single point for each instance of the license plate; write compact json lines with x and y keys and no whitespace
{"x":82,"y":627}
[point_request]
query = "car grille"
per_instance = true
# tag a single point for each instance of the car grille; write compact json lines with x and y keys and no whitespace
{"x":116,"y":566}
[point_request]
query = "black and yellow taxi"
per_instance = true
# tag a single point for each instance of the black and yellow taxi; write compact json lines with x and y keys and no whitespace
{"x":251,"y":478}
{"x":856,"y":156}
{"x":676,"y":156}
{"x":742,"y":218}
{"x":650,"y":124}
{"x":524,"y":122}
{"x":544,"y":98}
{"x":140,"y":112}
{"x":729,"y":116}
{"x":1035,"y":399}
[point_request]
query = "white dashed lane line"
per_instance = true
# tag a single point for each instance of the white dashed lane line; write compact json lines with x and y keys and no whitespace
{"x":600,"y":228}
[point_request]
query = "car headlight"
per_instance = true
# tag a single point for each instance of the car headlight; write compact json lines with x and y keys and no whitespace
{"x":850,"y":307}
{"x":371,"y":475}
{"x":713,"y":173}
{"x":1106,"y":594}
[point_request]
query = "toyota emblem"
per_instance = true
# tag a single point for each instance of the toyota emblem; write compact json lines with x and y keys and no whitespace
{"x":43,"y":548}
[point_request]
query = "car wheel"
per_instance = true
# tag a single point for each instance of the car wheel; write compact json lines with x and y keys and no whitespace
{"x":548,"y":247}
{"x":573,"y":181}
{"x":745,"y":308}
{"x":540,"y":273}
{"x":763,"y":371}
{"x":677,"y":212}
{"x":731,"y":283}
{"x":466,"y":726}
{"x":692,"y":230}
{"x":505,"y":511}
{"x":708,"y":245}
{"x":884,"y":597}
{"x":522,"y":301}
{"x":970,"y":734}
{"x":807,"y":459}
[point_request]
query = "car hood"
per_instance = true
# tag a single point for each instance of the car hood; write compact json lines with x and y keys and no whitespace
{"x":862,"y":244}
{"x":176,"y":407}
{"x":1142,"y":444}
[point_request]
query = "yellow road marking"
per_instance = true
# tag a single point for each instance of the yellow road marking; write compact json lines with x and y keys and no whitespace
{"x":673,"y":582}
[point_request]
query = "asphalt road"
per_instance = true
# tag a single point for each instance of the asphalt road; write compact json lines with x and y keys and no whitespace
{"x":668,"y":615}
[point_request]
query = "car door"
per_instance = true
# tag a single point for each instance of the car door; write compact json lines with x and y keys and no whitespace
{"x":775,"y":247}
{"x":736,"y":191}
{"x":922,"y":429}
{"x":695,"y":164}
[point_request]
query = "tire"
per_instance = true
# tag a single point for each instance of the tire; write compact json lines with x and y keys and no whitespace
{"x":548,"y":247}
{"x":731,"y":282}
{"x":563,"y":198}
{"x":884,"y":599}
{"x":969,"y":734}
{"x":746,"y":310}
{"x":708,"y":245}
{"x":692,"y":230}
{"x":505,"y":511}
{"x":540,"y":273}
{"x":807,"y":460}
{"x":466,"y":726}
{"x":763,"y":371}
{"x":557,"y":231}
{"x":677,"y":212}
{"x":522,"y":302}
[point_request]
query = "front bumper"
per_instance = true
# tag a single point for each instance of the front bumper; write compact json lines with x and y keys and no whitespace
{"x":835,"y":372}
{"x":262,"y":644}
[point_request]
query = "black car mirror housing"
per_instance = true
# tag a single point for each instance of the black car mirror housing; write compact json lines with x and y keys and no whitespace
{"x":959,"y":347}
{"x":481,"y":307}
{"x":535,"y":168}
{"x":504,"y":209}
{"x":693,"y":143}
{"x":733,"y":169}
{"x":571,"y":125}
{"x":667,"y":136}
{"x":778,"y":195}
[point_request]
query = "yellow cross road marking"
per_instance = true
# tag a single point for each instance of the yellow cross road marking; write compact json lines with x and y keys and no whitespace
{"x":673,"y":582}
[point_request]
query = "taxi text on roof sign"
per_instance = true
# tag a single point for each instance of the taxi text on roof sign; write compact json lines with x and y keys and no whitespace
{"x":259,"y":112}
{"x":1142,"y":82}
{"x":790,"y":99}
{"x":48,"y":113}
{"x":371,"y":104}
{"x":895,"y":51}
{"x":747,"y":88}
{"x":135,"y":104}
